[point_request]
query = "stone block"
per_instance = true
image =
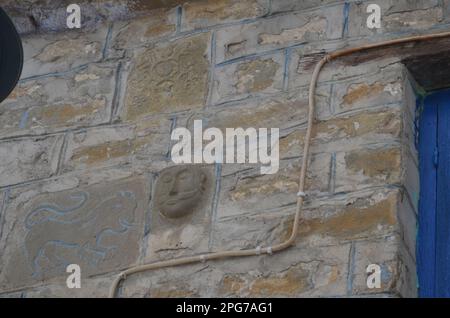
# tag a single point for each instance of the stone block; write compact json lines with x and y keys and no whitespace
{"x":47,"y":104}
{"x":108,"y":146}
{"x":205,"y":13}
{"x":50,"y":53}
{"x":28,"y":159}
{"x":364,"y":168}
{"x":303,"y":60}
{"x":249,"y":191}
{"x":180,"y":218}
{"x":248,"y":230}
{"x":273,"y":112}
{"x":278,"y":32}
{"x":294,"y":273}
{"x":279,"y":6}
{"x":411,"y":179}
{"x":378,"y":89}
{"x":144,"y":29}
{"x":169,"y":78}
{"x":95,"y":287}
{"x":98,"y":227}
{"x":396,"y":16}
{"x":352,"y":131}
{"x":397,"y":269}
{"x":253,"y":77}
{"x":341,"y":219}
{"x":446,"y":8}
{"x":408,"y":222}
{"x":345,"y":133}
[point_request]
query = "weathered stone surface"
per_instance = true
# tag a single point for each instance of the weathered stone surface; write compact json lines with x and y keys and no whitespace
{"x":232,"y":64}
{"x":141,"y":30}
{"x":298,"y":271}
{"x":411,"y":179}
{"x":204,"y":13}
{"x":29,"y":159}
{"x":250,"y":191}
{"x":281,"y":112}
{"x":115,"y":145}
{"x":303,"y":60}
{"x":152,"y":143}
{"x":289,"y":5}
{"x":292,"y":144}
{"x":260,"y":76}
{"x":396,"y":16}
{"x":410,"y":112}
{"x":99,"y":146}
{"x":408,"y":222}
{"x":379,"y":89}
{"x":248,"y":230}
{"x":356,"y":217}
{"x":388,"y":122}
{"x":95,"y":287}
{"x":169,"y":78}
{"x":328,"y":221}
{"x":97,"y":227}
{"x":279,"y":31}
{"x":361,"y":168}
{"x":180,"y":219}
{"x":61,"y":52}
{"x":48,"y":104}
{"x":382,"y":253}
{"x":446,"y":11}
{"x":345,"y":133}
{"x":51,"y":16}
{"x":357,"y":92}
{"x":397,"y":269}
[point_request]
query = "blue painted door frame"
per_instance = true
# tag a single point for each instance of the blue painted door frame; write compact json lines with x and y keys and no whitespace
{"x":433,"y":243}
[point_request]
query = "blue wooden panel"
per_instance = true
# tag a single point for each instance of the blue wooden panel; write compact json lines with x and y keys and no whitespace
{"x":442,"y":279}
{"x":426,"y":240}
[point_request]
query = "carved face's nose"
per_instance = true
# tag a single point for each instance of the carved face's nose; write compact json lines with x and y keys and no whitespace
{"x":11,"y":56}
{"x":173,"y":190}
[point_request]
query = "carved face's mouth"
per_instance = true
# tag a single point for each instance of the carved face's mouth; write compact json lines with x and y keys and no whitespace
{"x":175,"y":199}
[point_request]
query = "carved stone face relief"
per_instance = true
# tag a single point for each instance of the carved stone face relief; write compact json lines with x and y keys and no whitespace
{"x":180,"y":218}
{"x":179,"y":190}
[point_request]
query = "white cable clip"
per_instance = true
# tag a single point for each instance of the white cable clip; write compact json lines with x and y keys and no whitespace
{"x":202,"y":258}
{"x":301,"y":194}
{"x":269,"y":250}
{"x":258,"y":250}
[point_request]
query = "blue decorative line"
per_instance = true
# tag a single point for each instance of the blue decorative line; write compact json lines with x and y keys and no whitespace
{"x":346,"y":15}
{"x":24,"y":119}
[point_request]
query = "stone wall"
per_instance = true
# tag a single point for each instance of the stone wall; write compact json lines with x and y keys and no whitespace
{"x":86,"y":134}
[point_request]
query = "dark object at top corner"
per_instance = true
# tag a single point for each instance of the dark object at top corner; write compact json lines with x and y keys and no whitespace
{"x":11,"y":56}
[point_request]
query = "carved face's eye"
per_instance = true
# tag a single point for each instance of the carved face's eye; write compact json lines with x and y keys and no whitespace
{"x":167,"y":178}
{"x":184,"y":175}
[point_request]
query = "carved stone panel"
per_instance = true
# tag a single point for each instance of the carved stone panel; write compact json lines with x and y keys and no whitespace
{"x":98,"y":227}
{"x":168,"y":79}
{"x":181,"y":212}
